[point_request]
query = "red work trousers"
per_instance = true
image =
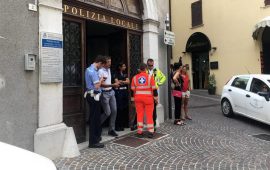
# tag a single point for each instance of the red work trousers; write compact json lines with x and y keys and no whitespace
{"x":144,"y":104}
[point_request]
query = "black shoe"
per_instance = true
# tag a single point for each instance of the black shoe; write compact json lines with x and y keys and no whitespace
{"x":139,"y":135}
{"x":97,"y":145}
{"x":112,"y":133}
{"x":133,"y":128}
{"x":150,"y":135}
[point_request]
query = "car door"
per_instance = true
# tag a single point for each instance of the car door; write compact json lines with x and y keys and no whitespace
{"x":257,"y":106}
{"x":238,"y":91}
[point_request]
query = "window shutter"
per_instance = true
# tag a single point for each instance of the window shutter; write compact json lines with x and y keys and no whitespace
{"x":196,"y":13}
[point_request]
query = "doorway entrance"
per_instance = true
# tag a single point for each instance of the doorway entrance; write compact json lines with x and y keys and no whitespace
{"x":265,"y":59}
{"x":83,"y":41}
{"x":199,"y":46}
{"x":105,"y":40}
{"x":200,"y":70}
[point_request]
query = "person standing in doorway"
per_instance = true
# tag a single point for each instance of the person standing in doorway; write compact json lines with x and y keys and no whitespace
{"x":93,"y":84}
{"x":159,"y":78}
{"x":144,"y":94}
{"x":185,"y":93}
{"x":108,"y":100}
{"x":121,"y":95}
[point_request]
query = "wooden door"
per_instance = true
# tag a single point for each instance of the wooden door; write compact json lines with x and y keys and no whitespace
{"x":73,"y":86}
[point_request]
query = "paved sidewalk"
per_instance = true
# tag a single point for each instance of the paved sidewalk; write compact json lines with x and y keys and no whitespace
{"x":209,"y":141}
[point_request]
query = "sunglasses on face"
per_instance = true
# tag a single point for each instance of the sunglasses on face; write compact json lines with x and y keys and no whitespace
{"x":150,"y":65}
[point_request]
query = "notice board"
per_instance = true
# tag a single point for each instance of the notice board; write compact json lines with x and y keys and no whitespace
{"x":51,"y":57}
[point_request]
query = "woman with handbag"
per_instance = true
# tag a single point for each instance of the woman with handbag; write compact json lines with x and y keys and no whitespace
{"x":177,"y":94}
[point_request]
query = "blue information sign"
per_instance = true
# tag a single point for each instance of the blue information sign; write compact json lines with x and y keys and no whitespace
{"x":52,"y":43}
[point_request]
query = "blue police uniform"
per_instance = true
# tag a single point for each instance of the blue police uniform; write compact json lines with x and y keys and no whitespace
{"x":91,"y":78}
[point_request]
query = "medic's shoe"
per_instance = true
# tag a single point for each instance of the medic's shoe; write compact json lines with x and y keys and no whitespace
{"x":150,"y":135}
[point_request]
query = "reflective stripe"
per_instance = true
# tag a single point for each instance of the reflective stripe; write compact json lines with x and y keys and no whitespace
{"x":154,"y":87}
{"x":143,"y":92}
{"x":140,"y":124}
{"x":143,"y":87}
{"x":140,"y":129}
{"x":151,"y":130}
{"x":150,"y":125}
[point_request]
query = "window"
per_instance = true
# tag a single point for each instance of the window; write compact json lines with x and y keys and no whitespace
{"x":266,"y":2}
{"x":258,"y":86}
{"x":196,"y":13}
{"x":240,"y":82}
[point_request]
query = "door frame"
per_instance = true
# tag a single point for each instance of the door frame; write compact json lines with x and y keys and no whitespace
{"x":83,"y":64}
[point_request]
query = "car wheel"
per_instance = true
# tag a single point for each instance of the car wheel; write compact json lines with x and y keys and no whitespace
{"x":226,"y":108}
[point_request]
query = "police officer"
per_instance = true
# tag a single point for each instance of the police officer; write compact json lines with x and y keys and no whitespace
{"x":159,"y":78}
{"x":93,"y":83}
{"x":122,"y":97}
{"x":144,"y":94}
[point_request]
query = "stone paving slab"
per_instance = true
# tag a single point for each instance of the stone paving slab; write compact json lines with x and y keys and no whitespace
{"x":209,"y":141}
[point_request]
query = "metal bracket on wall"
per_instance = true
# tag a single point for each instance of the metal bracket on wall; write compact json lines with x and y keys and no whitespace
{"x":32,"y":7}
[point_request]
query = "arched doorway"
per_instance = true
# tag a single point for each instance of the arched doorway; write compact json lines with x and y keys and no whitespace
{"x":265,"y":59}
{"x":199,"y":46}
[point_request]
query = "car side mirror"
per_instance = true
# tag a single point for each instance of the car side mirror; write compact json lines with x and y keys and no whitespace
{"x":265,"y":95}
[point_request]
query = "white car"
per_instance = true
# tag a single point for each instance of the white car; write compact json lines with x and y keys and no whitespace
{"x":14,"y":158}
{"x":247,"y":95}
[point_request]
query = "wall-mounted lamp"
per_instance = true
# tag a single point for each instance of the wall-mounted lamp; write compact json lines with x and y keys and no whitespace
{"x":214,"y":48}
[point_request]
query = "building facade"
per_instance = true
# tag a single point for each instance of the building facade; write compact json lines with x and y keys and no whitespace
{"x":38,"y":106}
{"x":218,"y":37}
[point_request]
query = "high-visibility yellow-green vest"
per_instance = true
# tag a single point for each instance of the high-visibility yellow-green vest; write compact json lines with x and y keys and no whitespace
{"x":159,"y":77}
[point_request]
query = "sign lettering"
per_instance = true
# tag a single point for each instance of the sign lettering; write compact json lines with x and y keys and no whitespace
{"x":96,"y":16}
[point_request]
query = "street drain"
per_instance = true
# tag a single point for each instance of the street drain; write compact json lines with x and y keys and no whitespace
{"x":265,"y":137}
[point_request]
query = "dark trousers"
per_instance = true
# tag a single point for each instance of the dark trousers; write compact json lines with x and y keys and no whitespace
{"x":155,"y":114}
{"x":177,"y":107}
{"x":133,"y":116}
{"x":122,"y":100}
{"x":94,"y":120}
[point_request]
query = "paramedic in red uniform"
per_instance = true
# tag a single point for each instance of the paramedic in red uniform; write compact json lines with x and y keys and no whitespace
{"x":144,"y":93}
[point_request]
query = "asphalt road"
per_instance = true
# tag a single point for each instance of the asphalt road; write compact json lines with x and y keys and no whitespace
{"x":209,"y":141}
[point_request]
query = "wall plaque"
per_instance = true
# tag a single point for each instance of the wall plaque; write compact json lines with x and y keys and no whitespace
{"x":51,"y":57}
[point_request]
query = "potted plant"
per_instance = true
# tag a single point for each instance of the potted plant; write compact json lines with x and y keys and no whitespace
{"x":212,"y":84}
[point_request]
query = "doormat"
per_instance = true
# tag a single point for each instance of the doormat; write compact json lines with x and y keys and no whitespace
{"x":131,"y":141}
{"x":156,"y":136}
{"x":265,"y":137}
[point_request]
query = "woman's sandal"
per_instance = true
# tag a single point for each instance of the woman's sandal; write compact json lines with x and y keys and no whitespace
{"x":180,"y":123}
{"x":189,"y":118}
{"x":176,"y":121}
